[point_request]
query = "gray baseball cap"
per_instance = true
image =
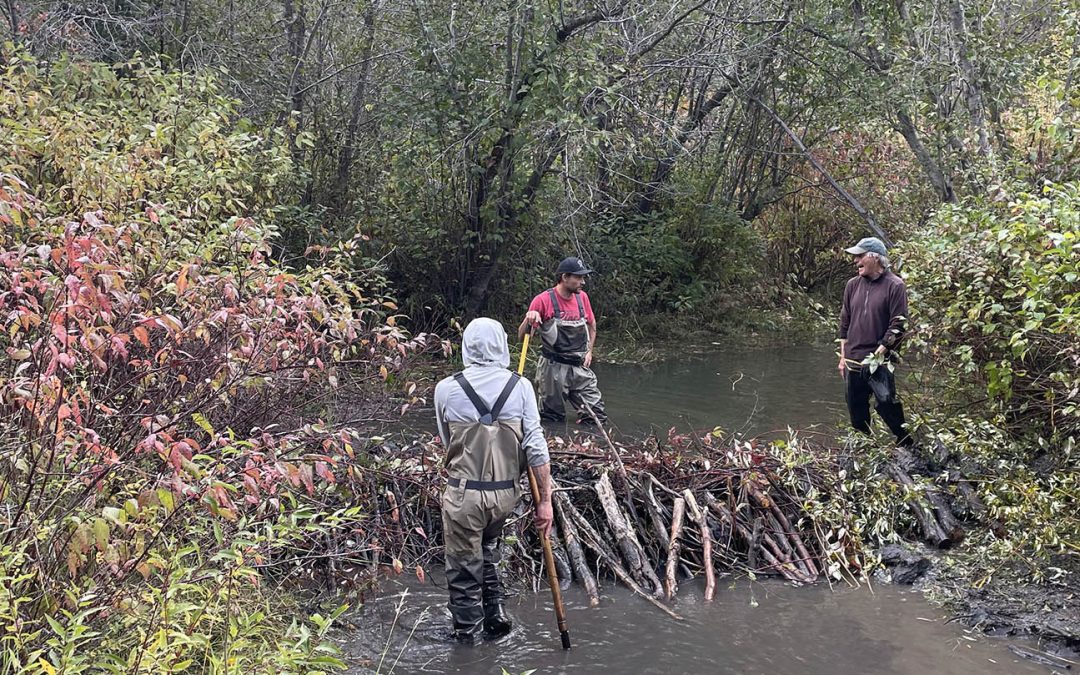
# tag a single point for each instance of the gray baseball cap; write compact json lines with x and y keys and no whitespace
{"x":868,"y":245}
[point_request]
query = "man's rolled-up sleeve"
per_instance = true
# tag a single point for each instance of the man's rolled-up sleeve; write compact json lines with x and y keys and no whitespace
{"x":533,"y":441}
{"x":898,"y":312}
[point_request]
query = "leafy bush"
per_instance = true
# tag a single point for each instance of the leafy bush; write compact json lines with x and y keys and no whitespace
{"x":684,"y":260}
{"x":995,"y":297}
{"x":160,"y":369}
{"x":996,"y":289}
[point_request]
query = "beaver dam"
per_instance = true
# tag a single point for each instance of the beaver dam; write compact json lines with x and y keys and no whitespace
{"x":727,"y":534}
{"x":653,"y":514}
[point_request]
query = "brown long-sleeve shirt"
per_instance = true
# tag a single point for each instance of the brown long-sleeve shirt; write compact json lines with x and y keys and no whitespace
{"x":874,"y":313}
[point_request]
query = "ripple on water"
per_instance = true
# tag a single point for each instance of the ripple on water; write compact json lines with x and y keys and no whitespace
{"x":769,"y":628}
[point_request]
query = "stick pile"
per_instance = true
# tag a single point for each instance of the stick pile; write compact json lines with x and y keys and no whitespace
{"x":651,"y":515}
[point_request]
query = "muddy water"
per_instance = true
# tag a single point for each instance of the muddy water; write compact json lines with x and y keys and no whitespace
{"x":755,"y":391}
{"x":769,"y":628}
{"x":752,"y":627}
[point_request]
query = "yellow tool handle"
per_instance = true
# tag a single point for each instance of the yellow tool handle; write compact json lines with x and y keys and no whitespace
{"x":549,"y":557}
{"x":524,"y":353}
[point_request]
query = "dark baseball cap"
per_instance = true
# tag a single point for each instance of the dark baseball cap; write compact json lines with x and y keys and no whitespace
{"x":573,"y":265}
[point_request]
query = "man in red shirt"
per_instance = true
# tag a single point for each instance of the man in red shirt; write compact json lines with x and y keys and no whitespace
{"x":568,"y":333}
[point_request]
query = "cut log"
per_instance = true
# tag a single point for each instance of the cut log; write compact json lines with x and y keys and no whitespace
{"x":671,"y":586}
{"x":920,"y":508}
{"x":801,"y":552}
{"x":655,"y":511}
{"x":944,"y":514}
{"x":698,"y":517}
{"x":625,"y":539}
{"x":592,"y":540}
{"x":577,"y":555}
{"x":785,"y":569}
{"x":562,"y":559}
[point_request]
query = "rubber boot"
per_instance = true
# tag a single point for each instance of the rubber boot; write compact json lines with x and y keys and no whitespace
{"x":464,"y":580}
{"x":467,"y":635}
{"x":496,"y":622}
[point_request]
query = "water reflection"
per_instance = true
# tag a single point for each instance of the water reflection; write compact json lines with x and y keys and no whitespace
{"x":751,"y":627}
{"x":754,"y":391}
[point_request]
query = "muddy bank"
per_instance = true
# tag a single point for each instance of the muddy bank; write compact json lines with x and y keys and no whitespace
{"x":1013,"y":605}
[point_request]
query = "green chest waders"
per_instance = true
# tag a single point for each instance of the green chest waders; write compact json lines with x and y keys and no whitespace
{"x":484,"y":461}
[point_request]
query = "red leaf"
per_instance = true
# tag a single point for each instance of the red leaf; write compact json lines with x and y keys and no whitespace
{"x":324,"y":472}
{"x":306,"y":478}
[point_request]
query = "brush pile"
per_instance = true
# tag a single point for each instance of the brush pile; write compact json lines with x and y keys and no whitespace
{"x":650,"y":514}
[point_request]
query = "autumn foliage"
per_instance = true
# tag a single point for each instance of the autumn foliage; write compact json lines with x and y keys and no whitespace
{"x":165,"y":379}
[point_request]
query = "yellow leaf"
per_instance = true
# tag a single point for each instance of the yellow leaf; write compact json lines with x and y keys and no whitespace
{"x":181,"y":281}
{"x":384,"y":372}
{"x":101,"y":534}
{"x":47,"y":667}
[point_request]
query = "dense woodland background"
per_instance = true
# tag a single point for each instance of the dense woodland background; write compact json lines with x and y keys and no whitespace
{"x":667,"y":142}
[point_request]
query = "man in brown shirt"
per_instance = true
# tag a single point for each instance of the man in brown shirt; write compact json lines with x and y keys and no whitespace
{"x":873,"y":319}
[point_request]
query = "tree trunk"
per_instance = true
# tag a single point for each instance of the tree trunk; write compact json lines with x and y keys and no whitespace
{"x":972,"y":88}
{"x":941,"y":182}
{"x":340,"y":197}
{"x":13,"y":20}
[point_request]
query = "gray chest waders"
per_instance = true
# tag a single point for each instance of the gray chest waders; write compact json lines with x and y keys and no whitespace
{"x":565,"y":340}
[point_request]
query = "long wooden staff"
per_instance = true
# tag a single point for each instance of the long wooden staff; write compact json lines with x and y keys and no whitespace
{"x":549,"y":557}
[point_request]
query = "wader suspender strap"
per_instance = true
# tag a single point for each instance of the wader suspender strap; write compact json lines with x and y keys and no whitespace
{"x":487,"y":415}
{"x":555,"y":304}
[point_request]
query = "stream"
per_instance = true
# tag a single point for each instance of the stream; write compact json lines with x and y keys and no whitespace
{"x":767,"y":627}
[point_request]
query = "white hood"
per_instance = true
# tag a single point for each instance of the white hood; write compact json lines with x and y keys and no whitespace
{"x":484,"y":344}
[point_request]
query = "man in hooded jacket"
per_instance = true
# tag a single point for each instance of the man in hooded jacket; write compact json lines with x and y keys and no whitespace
{"x":490,"y":426}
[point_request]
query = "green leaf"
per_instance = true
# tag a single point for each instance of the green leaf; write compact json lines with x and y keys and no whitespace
{"x":165,"y":497}
{"x":203,"y":423}
{"x":114,"y":514}
{"x":101,"y":534}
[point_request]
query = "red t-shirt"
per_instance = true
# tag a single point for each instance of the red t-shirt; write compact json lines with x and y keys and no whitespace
{"x":568,"y":307}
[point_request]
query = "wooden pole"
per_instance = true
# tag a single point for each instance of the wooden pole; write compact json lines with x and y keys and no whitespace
{"x":549,"y":558}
